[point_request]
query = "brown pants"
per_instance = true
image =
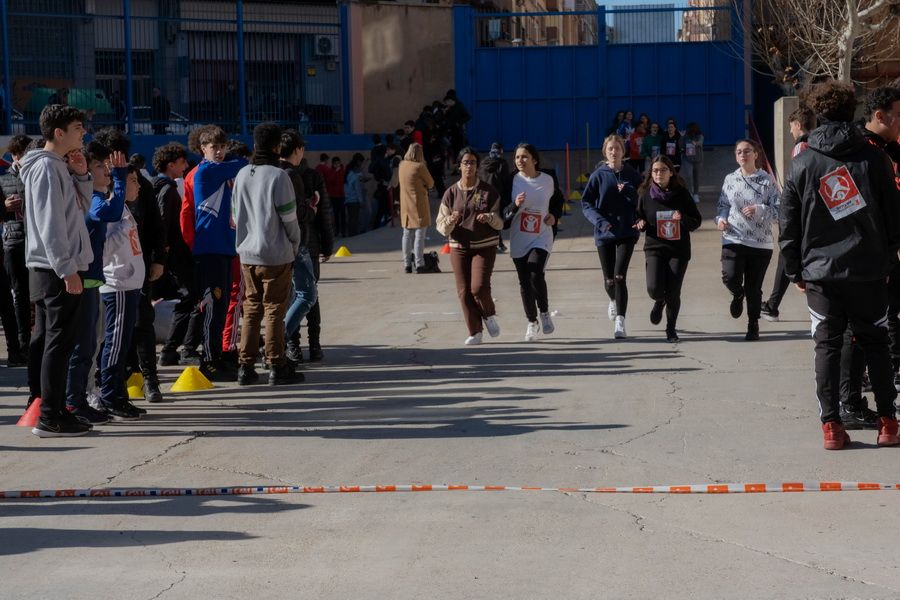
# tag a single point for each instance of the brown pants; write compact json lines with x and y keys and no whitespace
{"x":266,"y":293}
{"x":472,"y":269}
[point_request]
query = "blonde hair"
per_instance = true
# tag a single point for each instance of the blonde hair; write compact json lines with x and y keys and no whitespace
{"x":613,"y":139}
{"x":415,"y":153}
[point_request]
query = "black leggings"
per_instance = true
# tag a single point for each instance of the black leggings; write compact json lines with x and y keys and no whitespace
{"x":532,"y":284}
{"x":665,"y":274}
{"x":743,"y":271}
{"x":614,"y":259}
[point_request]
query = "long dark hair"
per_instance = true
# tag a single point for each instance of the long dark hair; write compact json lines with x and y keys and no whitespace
{"x":531,"y":150}
{"x":675,"y":182}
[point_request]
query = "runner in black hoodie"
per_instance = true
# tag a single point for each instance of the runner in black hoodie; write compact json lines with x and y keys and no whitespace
{"x":840,"y":225}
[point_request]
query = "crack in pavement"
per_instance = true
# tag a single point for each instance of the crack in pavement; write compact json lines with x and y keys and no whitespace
{"x":236,"y":472}
{"x":193,"y":436}
{"x":641,"y":522}
{"x":133,"y":535}
{"x":679,"y":409}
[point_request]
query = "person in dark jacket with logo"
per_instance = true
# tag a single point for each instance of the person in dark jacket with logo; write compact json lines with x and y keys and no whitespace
{"x":15,"y":308}
{"x":668,"y":214}
{"x":840,"y":226}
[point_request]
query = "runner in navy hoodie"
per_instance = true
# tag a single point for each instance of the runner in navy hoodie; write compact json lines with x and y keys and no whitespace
{"x":214,"y":243}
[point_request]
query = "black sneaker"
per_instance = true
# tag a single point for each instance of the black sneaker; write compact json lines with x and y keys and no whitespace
{"x":16,"y":359}
{"x":230,"y":360}
{"x":737,"y":306}
{"x":247,"y":375}
{"x":189,"y":357}
{"x":169,"y":358}
{"x":65,"y":415}
{"x":657,"y":311}
{"x":768,"y":313}
{"x":60,"y":427}
{"x":285,"y":375}
{"x":294,"y":353}
{"x":152,"y":392}
{"x":131,"y":406}
{"x":315,"y":353}
{"x":89,"y":415}
{"x":861,"y":418}
{"x":752,"y":331}
{"x":122,"y":412}
{"x":671,"y":335}
{"x":408,"y":269}
{"x":216,"y":371}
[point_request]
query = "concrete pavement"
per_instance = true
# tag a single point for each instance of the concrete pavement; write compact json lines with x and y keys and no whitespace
{"x":399,"y":399}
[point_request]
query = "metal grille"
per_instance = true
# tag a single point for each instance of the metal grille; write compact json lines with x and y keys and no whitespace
{"x":188,"y":63}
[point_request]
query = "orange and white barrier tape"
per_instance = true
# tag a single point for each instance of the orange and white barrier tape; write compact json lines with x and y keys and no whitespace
{"x":718,"y":488}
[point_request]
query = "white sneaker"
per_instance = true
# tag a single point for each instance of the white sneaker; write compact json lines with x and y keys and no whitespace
{"x":611,"y":311}
{"x":620,"y":328}
{"x":492,"y":325}
{"x":546,"y":324}
{"x":473,"y":340}
{"x":532,"y":332}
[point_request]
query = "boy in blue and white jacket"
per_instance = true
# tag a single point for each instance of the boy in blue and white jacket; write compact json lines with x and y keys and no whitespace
{"x":105,"y":208}
{"x":123,"y":271}
{"x":214,"y":243}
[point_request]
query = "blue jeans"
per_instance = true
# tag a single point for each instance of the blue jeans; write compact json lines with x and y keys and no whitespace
{"x":305,"y":292}
{"x":85,"y":347}
{"x":121,"y":316}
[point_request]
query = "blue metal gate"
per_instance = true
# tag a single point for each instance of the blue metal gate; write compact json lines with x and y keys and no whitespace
{"x":525,"y":82}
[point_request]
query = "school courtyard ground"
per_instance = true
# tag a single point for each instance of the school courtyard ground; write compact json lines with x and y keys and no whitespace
{"x":400,"y":400}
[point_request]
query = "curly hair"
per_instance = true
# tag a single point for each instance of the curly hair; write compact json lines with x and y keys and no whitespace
{"x":832,"y":100}
{"x":206,"y":134}
{"x":881,"y":98}
{"x":18,"y":144}
{"x":114,"y":139}
{"x":167,"y":154}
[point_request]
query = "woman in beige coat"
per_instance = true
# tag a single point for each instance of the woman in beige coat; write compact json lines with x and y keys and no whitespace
{"x":415,"y":213}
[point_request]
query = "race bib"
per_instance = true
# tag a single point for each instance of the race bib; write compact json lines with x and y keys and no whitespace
{"x":840,"y":193}
{"x":530,"y":222}
{"x":667,"y":228}
{"x":671,"y":148}
{"x":689,"y":149}
{"x":654,"y":151}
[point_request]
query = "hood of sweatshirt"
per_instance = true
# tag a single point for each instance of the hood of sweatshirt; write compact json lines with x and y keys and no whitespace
{"x":33,"y":156}
{"x":836,"y":139}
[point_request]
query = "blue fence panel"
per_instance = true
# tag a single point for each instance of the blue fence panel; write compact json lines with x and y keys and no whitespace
{"x":523,"y":86}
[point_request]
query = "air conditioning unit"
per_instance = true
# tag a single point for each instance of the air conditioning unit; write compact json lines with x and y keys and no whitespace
{"x":325,"y":45}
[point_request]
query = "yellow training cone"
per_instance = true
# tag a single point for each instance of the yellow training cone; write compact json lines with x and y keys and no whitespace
{"x":342,"y":252}
{"x":582,"y":178}
{"x":575,"y":195}
{"x":191,"y":380}
{"x":566,"y":209}
{"x":135,"y":387}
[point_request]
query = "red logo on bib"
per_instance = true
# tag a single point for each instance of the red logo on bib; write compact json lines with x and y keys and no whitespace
{"x":838,"y":188}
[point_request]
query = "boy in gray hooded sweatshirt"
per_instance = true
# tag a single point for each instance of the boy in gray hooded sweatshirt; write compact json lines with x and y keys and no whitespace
{"x":267,"y":238}
{"x":58,"y":192}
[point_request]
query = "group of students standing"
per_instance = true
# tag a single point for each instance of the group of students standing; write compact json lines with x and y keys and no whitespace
{"x":236,"y":244}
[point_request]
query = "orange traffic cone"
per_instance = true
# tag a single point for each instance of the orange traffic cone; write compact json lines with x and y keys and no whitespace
{"x":31,"y":415}
{"x":446,"y":248}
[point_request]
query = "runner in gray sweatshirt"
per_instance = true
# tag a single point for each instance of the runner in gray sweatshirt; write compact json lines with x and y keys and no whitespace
{"x":267,"y":238}
{"x":58,"y":193}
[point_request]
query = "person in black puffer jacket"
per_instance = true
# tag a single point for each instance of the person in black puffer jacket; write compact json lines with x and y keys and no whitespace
{"x":15,"y":307}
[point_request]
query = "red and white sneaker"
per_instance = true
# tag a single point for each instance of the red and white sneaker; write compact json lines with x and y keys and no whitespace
{"x":836,"y":436}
